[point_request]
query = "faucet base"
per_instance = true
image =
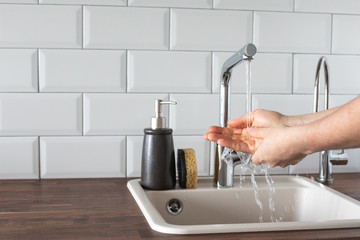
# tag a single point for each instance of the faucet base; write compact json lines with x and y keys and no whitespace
{"x":326,"y":180}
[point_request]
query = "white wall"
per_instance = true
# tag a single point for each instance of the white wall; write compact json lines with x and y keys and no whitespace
{"x":78,"y":77}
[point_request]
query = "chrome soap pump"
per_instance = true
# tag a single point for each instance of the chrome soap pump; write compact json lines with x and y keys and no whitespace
{"x":158,"y":158}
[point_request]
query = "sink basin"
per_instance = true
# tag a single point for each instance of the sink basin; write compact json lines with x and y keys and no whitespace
{"x":300,"y":203}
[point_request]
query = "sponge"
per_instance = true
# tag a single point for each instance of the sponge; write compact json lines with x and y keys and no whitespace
{"x":187,"y":169}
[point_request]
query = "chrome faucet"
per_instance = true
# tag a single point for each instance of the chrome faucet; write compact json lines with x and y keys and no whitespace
{"x":224,"y":165}
{"x":327,"y":158}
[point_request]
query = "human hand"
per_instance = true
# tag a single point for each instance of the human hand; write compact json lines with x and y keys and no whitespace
{"x":232,"y":137}
{"x":276,"y":146}
{"x":228,"y":137}
{"x":269,"y":138}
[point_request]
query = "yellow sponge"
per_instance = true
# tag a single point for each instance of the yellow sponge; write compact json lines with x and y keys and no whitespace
{"x":187,"y":169}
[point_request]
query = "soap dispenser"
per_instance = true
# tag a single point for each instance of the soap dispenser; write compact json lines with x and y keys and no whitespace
{"x":158,"y":158}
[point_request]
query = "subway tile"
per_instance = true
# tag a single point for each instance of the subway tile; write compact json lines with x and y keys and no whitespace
{"x":82,"y":71}
{"x":353,"y":162}
{"x":169,"y":71}
{"x":108,"y":27}
{"x":201,"y":147}
{"x":134,"y":145}
{"x":328,"y":6}
{"x":338,"y":100}
{"x":310,"y":164}
{"x":85,"y":2}
{"x":343,"y":73}
{"x":194,"y":113}
{"x":18,"y":70}
{"x":40,"y":26}
{"x":119,"y":114}
{"x":210,"y":30}
{"x":82,"y":157}
{"x":270,"y":73}
{"x":40,"y":114}
{"x":290,"y":32}
{"x":20,"y":1}
{"x":346,"y":35}
{"x":274,"y":5}
{"x":172,"y":3}
{"x":19,"y":158}
{"x":238,"y":105}
{"x":304,"y":73}
{"x":190,"y":116}
{"x":286,"y":104}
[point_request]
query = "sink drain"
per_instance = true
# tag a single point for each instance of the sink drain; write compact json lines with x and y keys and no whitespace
{"x":174,"y":206}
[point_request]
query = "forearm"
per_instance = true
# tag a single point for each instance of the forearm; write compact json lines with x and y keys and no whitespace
{"x":308,"y":118}
{"x":338,"y":130}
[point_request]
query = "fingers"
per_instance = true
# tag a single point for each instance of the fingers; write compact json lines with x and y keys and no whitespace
{"x":214,"y":137}
{"x":216,"y":129}
{"x":235,"y":145}
{"x":214,"y":133}
{"x":256,"y":132}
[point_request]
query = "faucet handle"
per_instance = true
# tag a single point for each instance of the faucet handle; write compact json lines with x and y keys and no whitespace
{"x":340,"y":158}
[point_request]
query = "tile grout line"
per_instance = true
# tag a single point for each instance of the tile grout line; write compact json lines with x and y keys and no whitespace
{"x":126,"y":72}
{"x":38,"y":69}
{"x":292,"y":73}
{"x":331,"y":33}
{"x":39,"y":158}
{"x":83,"y":114}
{"x":83,"y":27}
{"x":170,"y":32}
{"x":126,"y":156}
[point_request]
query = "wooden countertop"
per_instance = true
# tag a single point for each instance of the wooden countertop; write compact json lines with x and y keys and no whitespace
{"x":104,"y":209}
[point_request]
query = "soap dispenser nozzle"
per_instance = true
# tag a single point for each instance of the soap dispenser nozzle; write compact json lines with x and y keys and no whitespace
{"x":158,"y":121}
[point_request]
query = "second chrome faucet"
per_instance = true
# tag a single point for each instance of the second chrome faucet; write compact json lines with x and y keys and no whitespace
{"x":327,"y":158}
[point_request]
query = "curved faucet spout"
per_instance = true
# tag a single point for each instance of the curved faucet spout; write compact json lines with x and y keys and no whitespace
{"x":224,"y":168}
{"x":327,"y":158}
{"x":245,"y":53}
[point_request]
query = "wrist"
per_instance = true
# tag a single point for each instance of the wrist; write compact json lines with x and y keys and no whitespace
{"x":306,"y":140}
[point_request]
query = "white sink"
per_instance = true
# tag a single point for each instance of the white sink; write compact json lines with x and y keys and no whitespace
{"x":300,"y":203}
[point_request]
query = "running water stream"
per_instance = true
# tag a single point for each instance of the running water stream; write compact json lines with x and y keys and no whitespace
{"x":246,"y":165}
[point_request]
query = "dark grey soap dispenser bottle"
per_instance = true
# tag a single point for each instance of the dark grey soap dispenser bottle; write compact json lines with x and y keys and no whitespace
{"x":158,"y":158}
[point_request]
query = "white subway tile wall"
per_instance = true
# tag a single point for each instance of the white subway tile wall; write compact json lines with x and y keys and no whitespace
{"x":209,"y":29}
{"x":13,"y":80}
{"x":118,"y":114}
{"x":344,"y":73}
{"x":328,"y":6}
{"x":19,"y":157}
{"x":82,"y":71}
{"x":172,"y":3}
{"x":273,"y":5}
{"x":170,"y":71}
{"x":271,"y":73}
{"x":78,"y":78}
{"x":82,"y":157}
{"x":292,"y":32}
{"x":346,"y":35}
{"x":126,"y":28}
{"x":90,"y":2}
{"x":40,"y":26}
{"x":24,"y":114}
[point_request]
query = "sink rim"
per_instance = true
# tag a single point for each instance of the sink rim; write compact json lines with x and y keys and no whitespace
{"x":158,"y":223}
